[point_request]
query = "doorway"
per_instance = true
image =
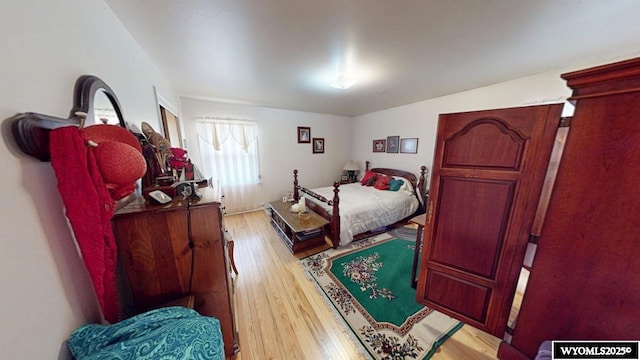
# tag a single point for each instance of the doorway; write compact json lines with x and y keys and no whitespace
{"x":171,"y":127}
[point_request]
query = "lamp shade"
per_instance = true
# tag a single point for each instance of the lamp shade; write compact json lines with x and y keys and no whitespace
{"x":351,"y":166}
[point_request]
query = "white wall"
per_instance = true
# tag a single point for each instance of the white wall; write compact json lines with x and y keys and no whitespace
{"x":421,"y":119}
{"x":46,"y":46}
{"x":278,"y":145}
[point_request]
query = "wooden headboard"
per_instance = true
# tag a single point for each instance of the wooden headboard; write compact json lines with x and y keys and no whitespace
{"x":395,"y":172}
{"x":419,"y":185}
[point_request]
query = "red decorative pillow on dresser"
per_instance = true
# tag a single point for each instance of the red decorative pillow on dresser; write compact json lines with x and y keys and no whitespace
{"x":368,"y":179}
{"x":382,"y":182}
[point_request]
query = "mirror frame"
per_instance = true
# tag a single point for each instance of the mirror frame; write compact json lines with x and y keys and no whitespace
{"x":87,"y":87}
{"x":31,"y":130}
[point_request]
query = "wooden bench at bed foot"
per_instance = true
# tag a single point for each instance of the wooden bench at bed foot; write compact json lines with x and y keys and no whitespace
{"x":297,"y":234}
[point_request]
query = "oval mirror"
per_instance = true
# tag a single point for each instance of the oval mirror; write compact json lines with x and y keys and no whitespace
{"x":103,"y":110}
{"x":95,"y":98}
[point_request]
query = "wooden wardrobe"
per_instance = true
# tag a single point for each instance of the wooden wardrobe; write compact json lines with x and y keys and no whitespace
{"x":585,"y":279}
{"x":488,"y":193}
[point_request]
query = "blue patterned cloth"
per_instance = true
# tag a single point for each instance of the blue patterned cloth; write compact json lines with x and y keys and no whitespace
{"x":170,"y":333}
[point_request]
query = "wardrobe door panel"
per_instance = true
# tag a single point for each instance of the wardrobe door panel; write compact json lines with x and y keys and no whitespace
{"x":488,"y":172}
{"x":465,"y":148}
{"x":474,"y":226}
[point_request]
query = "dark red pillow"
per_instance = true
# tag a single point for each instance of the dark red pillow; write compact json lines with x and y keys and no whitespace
{"x":382,"y":182}
{"x":370,"y":182}
{"x":368,"y":178}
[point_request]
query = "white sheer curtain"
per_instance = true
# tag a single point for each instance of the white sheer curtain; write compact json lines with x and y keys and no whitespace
{"x":229,"y":151}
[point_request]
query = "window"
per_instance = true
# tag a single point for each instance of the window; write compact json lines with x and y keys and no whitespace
{"x":229,"y":151}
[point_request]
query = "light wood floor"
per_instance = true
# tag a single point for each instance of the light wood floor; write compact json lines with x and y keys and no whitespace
{"x":281,"y":316}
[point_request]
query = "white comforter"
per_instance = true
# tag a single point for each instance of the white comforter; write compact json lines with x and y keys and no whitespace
{"x":364,"y":208}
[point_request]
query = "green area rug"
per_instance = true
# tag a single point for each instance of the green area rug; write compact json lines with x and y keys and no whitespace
{"x":367,"y":283}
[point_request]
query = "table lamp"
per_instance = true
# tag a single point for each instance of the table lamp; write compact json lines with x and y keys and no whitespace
{"x":351,"y":167}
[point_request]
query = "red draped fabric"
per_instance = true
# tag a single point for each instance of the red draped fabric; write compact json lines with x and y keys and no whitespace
{"x":89,"y":208}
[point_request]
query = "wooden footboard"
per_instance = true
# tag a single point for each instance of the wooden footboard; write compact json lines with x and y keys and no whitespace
{"x":332,"y":230}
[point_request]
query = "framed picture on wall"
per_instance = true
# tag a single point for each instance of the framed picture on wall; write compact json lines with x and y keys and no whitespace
{"x":379,"y":145}
{"x":304,"y":135}
{"x":393,"y":144}
{"x":409,"y":146}
{"x":318,"y":145}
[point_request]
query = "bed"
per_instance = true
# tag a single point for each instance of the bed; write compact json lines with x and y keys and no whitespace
{"x":355,"y":211}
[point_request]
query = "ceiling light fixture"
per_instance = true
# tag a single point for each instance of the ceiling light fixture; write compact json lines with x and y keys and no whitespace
{"x":343,"y":83}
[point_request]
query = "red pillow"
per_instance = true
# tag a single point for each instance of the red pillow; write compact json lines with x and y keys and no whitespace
{"x":366,"y":179}
{"x":370,"y":182}
{"x":382,"y":182}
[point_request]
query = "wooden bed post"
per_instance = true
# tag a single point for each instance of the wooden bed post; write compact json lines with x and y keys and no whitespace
{"x":335,"y":218}
{"x":296,"y":196}
{"x":422,"y":185}
{"x":366,"y":165}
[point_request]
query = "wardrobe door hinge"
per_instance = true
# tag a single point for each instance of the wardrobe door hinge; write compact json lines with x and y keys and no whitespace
{"x":565,"y":121}
{"x":509,"y":330}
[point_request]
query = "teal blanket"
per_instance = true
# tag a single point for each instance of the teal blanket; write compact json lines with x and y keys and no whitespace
{"x":170,"y":333}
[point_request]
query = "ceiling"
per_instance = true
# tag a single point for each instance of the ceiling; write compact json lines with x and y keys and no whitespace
{"x":285,"y":53}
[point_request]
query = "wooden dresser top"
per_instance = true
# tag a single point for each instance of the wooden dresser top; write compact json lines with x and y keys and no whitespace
{"x":140,"y":205}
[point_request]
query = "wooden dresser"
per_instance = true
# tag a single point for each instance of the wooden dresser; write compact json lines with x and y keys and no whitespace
{"x":176,"y":250}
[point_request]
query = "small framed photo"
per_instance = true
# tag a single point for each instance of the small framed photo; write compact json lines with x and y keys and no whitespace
{"x":379,"y":145}
{"x":344,"y":178}
{"x":393,"y":144}
{"x":318,"y":145}
{"x":409,"y":146}
{"x":304,"y":135}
